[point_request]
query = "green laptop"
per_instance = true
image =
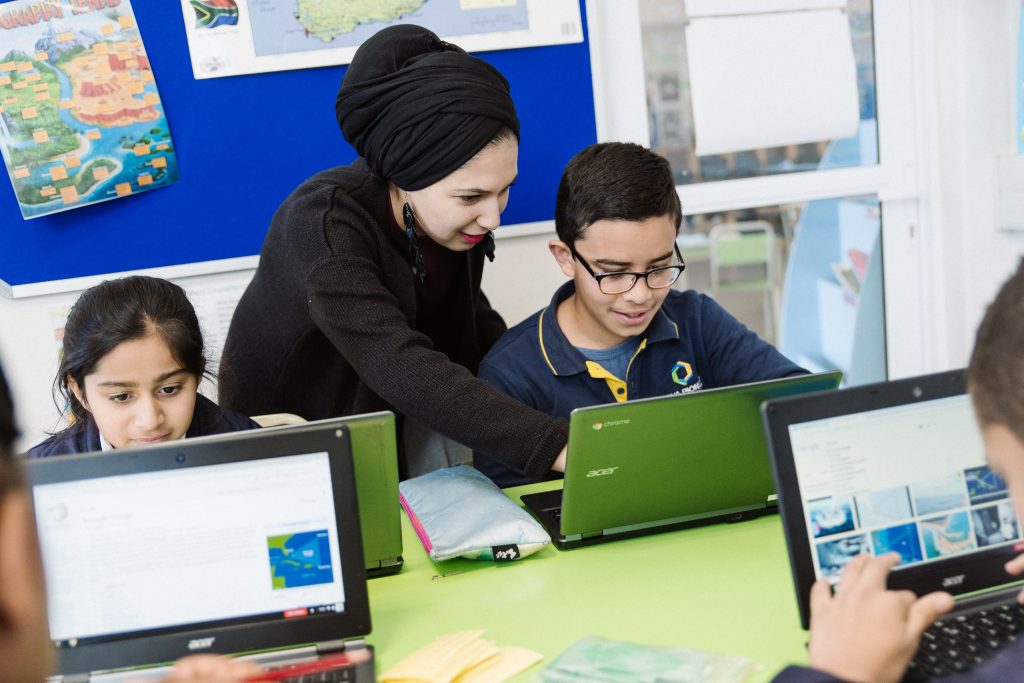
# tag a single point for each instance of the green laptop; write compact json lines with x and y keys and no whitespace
{"x":375,"y":460}
{"x":663,"y":463}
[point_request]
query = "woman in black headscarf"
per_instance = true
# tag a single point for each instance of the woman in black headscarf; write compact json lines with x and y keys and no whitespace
{"x":367,"y":295}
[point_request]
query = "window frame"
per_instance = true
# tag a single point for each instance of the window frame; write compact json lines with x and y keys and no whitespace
{"x":905,"y":84}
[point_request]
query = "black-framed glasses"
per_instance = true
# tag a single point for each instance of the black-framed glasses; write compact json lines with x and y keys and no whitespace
{"x":622,"y":282}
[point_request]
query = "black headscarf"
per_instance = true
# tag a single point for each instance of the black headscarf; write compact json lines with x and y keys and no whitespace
{"x":418,"y":108}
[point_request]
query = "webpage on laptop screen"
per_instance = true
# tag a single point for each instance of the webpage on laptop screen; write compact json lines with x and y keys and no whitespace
{"x":910,"y":479}
{"x":149,"y":551}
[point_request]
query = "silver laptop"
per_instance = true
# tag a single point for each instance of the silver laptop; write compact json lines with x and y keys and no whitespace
{"x":243,"y":544}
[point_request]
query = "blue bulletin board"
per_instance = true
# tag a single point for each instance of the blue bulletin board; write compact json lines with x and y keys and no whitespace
{"x":245,"y":142}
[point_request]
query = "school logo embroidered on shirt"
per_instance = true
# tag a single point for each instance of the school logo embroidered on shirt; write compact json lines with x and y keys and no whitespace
{"x":682,"y":373}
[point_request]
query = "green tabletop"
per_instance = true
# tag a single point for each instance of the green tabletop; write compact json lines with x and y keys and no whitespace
{"x":720,"y":588}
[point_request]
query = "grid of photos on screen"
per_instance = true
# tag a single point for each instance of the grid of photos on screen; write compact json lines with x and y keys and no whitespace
{"x":923,"y":521}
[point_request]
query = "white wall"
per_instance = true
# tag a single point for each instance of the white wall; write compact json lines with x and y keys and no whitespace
{"x":523,"y":276}
{"x":974,"y":52}
{"x":29,"y":353}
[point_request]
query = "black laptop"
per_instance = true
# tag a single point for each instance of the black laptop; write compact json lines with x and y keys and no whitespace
{"x":900,"y":467}
{"x":244,"y":544}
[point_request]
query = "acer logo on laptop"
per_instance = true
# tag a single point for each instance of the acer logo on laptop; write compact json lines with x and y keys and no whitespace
{"x":951,"y":581}
{"x":201,"y":643}
{"x":602,"y":472}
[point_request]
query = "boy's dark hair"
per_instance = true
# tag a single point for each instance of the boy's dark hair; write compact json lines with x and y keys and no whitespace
{"x":614,"y":181}
{"x":10,"y":474}
{"x":123,"y":310}
{"x":995,"y":375}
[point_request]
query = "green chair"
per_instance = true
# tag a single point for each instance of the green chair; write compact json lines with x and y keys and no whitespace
{"x":743,"y":257}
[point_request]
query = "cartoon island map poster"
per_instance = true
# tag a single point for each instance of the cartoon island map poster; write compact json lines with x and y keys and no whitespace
{"x":231,"y":37}
{"x":80,"y":117}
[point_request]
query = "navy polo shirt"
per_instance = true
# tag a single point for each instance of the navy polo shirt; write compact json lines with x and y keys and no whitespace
{"x":691,"y":344}
{"x":84,"y":436}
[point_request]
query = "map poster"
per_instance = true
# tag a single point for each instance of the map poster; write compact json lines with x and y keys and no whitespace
{"x":232,"y":37}
{"x":80,"y":116}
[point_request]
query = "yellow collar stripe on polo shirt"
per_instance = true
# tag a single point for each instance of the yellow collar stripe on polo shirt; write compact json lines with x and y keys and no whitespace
{"x":540,"y":338}
{"x":617,"y":386}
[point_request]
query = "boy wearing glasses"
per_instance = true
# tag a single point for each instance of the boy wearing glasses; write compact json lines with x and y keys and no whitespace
{"x":617,"y":330}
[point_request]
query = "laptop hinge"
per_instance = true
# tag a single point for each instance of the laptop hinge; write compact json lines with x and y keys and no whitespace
{"x":329,"y":646}
{"x":987,"y":598}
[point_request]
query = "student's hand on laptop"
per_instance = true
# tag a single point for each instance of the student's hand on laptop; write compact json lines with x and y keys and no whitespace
{"x":865,"y":632}
{"x":559,"y":464}
{"x":212,"y":669}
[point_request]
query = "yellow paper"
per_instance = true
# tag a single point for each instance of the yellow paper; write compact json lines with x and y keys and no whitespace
{"x":432,"y":662}
{"x":509,"y":662}
{"x":461,"y":657}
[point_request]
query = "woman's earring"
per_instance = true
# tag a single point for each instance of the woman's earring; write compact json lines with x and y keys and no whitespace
{"x":418,"y":268}
{"x":489,"y":246}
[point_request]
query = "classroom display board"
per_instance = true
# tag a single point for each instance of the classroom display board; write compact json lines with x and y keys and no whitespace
{"x":243,"y":143}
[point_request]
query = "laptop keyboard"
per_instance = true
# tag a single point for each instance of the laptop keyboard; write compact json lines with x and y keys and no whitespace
{"x":329,"y":669}
{"x":334,"y":676}
{"x":958,"y":643}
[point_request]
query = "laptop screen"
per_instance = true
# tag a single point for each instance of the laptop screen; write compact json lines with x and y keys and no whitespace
{"x":909,"y":479}
{"x":232,"y":543}
{"x":249,"y":540}
{"x":891,"y":467}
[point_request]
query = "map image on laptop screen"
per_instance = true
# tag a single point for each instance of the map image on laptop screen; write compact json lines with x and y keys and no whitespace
{"x":301,"y":559}
{"x":251,"y":540}
{"x":910,"y":479}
